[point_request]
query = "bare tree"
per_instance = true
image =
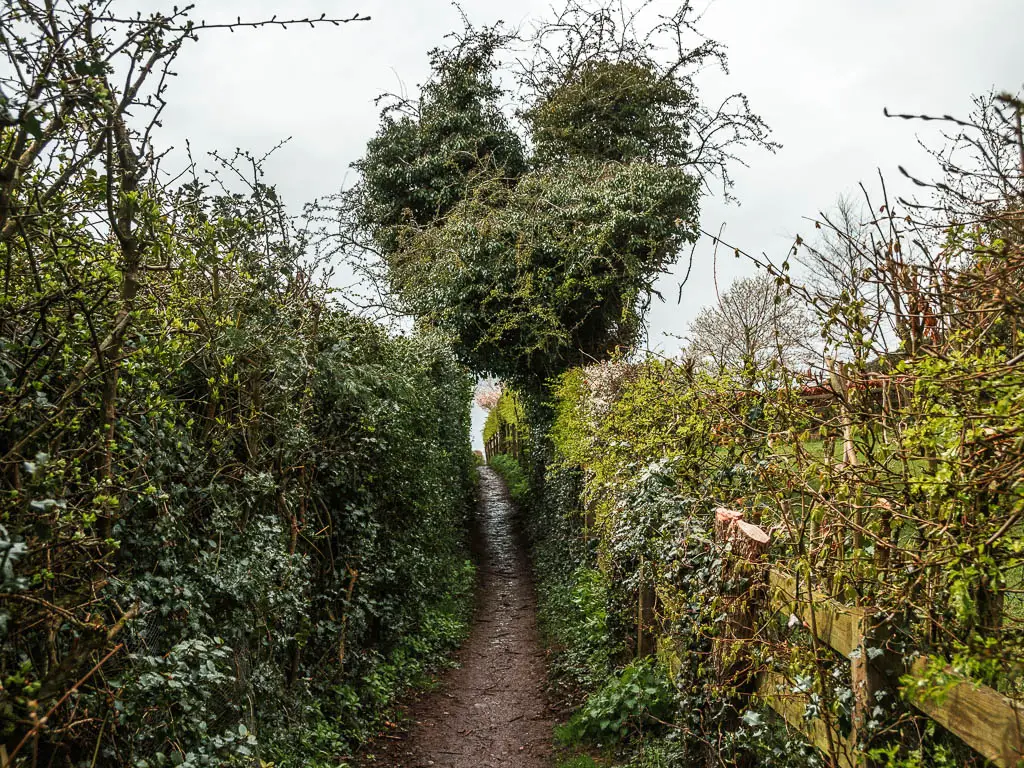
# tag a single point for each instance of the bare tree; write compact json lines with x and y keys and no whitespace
{"x":839,"y":269}
{"x":835,"y":261}
{"x":754,"y":325}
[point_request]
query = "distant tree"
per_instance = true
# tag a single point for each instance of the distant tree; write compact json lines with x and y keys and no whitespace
{"x":753,"y":325}
{"x":835,"y":260}
{"x":487,"y":396}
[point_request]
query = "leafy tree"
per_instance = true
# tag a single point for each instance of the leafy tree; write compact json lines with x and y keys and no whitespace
{"x":615,"y":111}
{"x":529,"y":278}
{"x":532,"y":265}
{"x":427,"y":154}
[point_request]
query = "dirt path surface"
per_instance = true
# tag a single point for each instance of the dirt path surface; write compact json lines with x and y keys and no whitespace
{"x":491,"y":710}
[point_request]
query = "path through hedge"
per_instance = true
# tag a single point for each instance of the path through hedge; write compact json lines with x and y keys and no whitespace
{"x":491,"y":710}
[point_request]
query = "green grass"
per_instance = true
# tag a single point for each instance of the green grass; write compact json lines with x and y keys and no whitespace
{"x":512,"y":474}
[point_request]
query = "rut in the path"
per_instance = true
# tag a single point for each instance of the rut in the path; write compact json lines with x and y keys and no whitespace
{"x":490,"y":712}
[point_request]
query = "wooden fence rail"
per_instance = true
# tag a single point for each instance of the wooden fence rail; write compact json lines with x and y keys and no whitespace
{"x":506,"y":440}
{"x":988,"y":722}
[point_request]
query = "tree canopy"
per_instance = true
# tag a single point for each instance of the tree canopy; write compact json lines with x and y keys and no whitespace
{"x":535,"y":250}
{"x":426,"y":155}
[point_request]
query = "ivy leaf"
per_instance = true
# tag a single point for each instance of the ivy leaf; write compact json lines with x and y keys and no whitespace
{"x":33,"y":126}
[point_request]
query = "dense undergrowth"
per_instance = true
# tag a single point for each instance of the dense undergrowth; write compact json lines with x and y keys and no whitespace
{"x":627,"y":503}
{"x":233,"y":516}
{"x":512,"y":474}
{"x":273,"y":541}
{"x":886,"y":477}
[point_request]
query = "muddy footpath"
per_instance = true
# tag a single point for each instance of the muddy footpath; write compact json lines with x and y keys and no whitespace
{"x":491,"y":710}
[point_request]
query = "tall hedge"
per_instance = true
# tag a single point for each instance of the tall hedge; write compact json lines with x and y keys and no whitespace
{"x":265,"y":543}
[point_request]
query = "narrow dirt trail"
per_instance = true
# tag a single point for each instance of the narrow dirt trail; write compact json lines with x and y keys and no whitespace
{"x":491,"y":710}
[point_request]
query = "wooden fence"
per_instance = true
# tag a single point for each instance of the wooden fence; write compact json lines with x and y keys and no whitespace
{"x":988,"y":722}
{"x":506,"y":439}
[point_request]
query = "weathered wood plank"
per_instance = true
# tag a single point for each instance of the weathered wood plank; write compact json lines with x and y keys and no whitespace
{"x":743,"y":597}
{"x":987,"y":721}
{"x":791,"y":706}
{"x":841,"y":626}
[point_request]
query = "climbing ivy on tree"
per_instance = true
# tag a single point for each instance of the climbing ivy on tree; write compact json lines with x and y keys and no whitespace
{"x":614,"y":111}
{"x":427,"y":154}
{"x":530,"y":278}
{"x":532,"y":261}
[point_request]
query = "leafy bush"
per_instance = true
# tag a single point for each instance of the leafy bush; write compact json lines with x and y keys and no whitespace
{"x":574,"y":618}
{"x":512,"y":473}
{"x":252,"y":518}
{"x":639,"y":697}
{"x":572,"y":592}
{"x":660,"y":751}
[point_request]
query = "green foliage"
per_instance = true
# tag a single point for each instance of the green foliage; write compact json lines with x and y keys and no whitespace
{"x":615,"y":111}
{"x":426,"y":156}
{"x":526,"y":278}
{"x":579,"y":761}
{"x":934,"y":754}
{"x":659,"y":750}
{"x":638,"y":698}
{"x":508,"y":413}
{"x":645,"y":438}
{"x":262,"y":514}
{"x":613,"y":420}
{"x":658,"y":445}
{"x":525,"y":265}
{"x":512,"y":474}
{"x":574,"y":618}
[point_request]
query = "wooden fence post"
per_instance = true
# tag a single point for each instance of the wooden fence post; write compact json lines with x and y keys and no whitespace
{"x":748,"y":544}
{"x":870,"y":676}
{"x":645,"y":640}
{"x":744,"y":575}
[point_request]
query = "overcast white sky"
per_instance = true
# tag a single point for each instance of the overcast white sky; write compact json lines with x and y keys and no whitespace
{"x":819,"y":72}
